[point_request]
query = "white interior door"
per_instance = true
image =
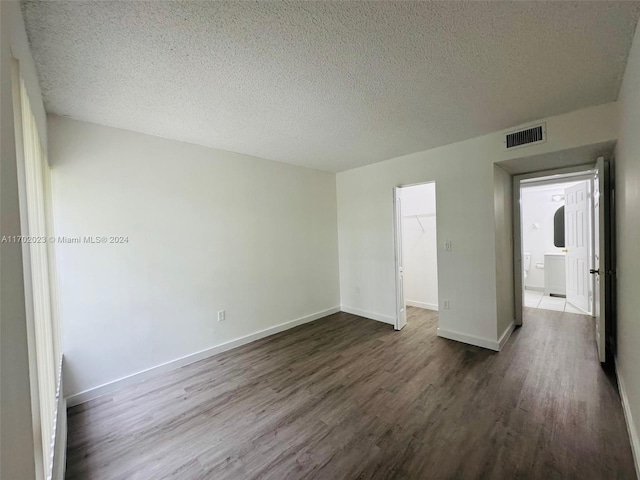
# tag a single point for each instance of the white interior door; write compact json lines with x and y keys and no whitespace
{"x":577,"y":234}
{"x":401,"y":310}
{"x":601,"y":268}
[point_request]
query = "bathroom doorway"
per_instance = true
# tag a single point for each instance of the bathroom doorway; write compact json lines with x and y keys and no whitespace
{"x":416,"y":249}
{"x":557,"y":243}
{"x":596,"y":200}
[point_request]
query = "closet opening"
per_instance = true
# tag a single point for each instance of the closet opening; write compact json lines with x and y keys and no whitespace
{"x":416,"y":253}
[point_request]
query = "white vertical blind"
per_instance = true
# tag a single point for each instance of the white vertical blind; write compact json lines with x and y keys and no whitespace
{"x":46,"y":327}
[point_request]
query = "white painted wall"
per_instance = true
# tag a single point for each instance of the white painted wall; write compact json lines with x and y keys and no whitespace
{"x":464,"y":175}
{"x":17,"y":454}
{"x":420,"y":246}
{"x":627,"y":178}
{"x":208,"y":230}
{"x":538,"y":209}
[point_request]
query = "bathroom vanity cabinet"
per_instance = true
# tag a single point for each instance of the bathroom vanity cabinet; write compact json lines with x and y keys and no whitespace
{"x":555,"y":279}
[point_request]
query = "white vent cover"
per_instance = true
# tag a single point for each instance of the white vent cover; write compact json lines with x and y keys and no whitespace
{"x":526,"y":136}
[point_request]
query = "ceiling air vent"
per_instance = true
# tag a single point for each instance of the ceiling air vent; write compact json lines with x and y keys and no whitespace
{"x":527,"y":136}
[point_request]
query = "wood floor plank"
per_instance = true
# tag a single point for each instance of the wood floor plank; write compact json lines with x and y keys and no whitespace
{"x":346,"y":398}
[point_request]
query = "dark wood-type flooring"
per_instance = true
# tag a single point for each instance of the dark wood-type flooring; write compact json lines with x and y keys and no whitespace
{"x":350,"y":398}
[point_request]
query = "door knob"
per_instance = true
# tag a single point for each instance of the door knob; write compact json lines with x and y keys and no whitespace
{"x":596,"y":271}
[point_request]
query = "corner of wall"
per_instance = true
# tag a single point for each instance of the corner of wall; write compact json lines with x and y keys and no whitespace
{"x":504,"y":251}
{"x":17,"y":455}
{"x":60,"y":448}
{"x":627,"y":195}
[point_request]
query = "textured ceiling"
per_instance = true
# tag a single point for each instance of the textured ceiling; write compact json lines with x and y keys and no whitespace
{"x":326,"y":85}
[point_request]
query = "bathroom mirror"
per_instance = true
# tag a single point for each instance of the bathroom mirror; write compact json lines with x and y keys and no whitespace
{"x":558,"y":228}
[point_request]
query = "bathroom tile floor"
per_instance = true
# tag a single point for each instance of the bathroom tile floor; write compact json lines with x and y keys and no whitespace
{"x":537,"y":299}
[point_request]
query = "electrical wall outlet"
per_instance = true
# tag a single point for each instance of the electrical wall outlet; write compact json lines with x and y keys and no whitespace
{"x":445,"y":304}
{"x":221,"y":315}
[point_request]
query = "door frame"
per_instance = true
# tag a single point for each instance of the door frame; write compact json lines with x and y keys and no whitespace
{"x":578,"y":172}
{"x":606,"y":268}
{"x":397,"y":237}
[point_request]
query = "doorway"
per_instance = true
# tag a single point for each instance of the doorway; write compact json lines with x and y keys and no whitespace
{"x":582,"y":230}
{"x":557,"y":242}
{"x":416,"y":249}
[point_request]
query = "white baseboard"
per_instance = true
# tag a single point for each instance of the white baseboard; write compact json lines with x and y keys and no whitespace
{"x":92,"y":393}
{"x":532,"y":287}
{"x":479,"y":341}
{"x":428,"y":306}
{"x":470,"y":339}
{"x":631,"y":427}
{"x":370,"y":315}
{"x":502,"y":341}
